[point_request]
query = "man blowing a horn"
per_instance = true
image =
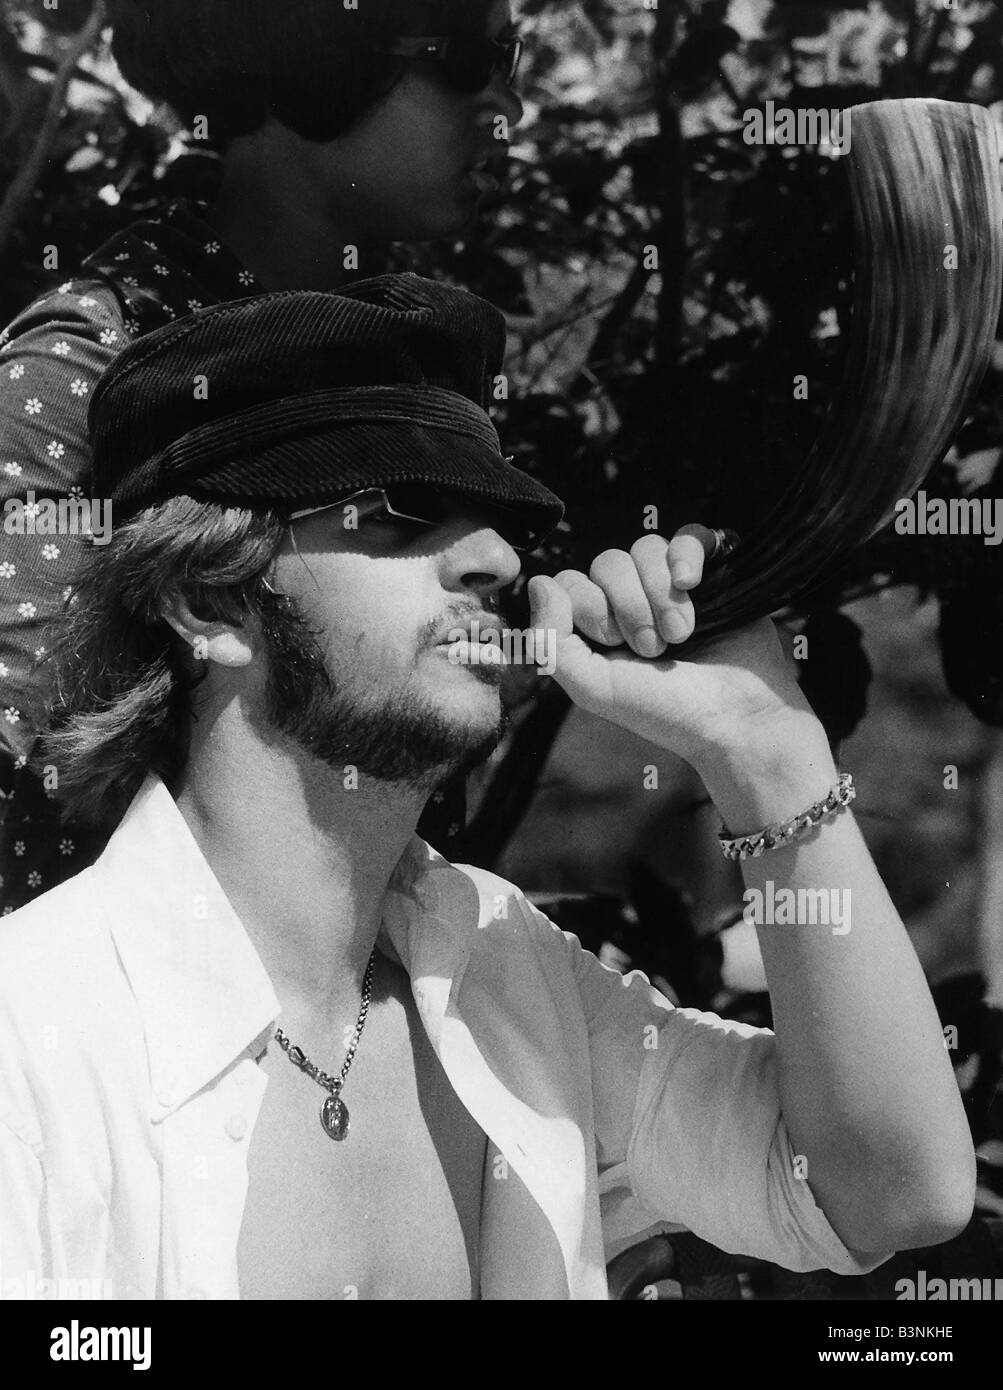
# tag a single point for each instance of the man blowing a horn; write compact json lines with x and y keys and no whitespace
{"x":272,"y":1045}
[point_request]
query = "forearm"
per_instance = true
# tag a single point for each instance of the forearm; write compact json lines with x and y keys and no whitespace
{"x":866,"y":1085}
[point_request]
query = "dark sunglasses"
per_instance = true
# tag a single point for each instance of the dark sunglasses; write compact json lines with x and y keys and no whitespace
{"x":468,"y":63}
{"x":425,"y":507}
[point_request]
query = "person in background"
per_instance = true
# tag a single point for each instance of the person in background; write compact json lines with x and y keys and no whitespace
{"x":343,"y":131}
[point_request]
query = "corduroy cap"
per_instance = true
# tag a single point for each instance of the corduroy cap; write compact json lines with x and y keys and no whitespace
{"x":298,"y":399}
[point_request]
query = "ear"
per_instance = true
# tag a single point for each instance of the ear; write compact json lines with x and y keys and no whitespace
{"x":208,"y":639}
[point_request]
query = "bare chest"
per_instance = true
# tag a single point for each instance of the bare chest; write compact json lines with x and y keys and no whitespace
{"x":392,"y":1211}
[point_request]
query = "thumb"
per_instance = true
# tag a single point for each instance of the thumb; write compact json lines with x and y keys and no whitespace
{"x":576,"y":668}
{"x":550,"y":607}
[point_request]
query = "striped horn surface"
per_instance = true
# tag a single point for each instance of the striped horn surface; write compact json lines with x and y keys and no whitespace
{"x":924,"y":177}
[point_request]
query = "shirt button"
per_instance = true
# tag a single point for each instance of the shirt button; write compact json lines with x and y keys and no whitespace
{"x":165,"y":1098}
{"x":236,"y":1126}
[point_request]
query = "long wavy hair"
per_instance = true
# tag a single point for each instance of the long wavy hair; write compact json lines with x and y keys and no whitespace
{"x":123,"y":678}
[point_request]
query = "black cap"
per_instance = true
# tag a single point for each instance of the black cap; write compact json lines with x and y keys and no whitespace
{"x":298,"y":399}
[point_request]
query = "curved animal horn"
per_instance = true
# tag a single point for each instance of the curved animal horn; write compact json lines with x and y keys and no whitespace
{"x":924,"y":177}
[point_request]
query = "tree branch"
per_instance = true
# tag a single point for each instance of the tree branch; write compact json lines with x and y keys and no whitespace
{"x":25,"y":182}
{"x":12,"y":78}
{"x":619,"y":315}
{"x":672,"y":209}
{"x":927,"y":43}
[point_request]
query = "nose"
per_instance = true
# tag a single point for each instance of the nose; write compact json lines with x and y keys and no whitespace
{"x":504,"y":100}
{"x":476,"y":558}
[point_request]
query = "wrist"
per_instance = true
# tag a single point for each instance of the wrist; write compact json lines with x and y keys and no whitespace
{"x":774,"y":773}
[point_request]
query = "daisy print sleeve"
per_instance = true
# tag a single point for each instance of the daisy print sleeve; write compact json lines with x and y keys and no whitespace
{"x":51,"y":358}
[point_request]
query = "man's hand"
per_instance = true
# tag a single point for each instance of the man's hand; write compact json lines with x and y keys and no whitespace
{"x":638,"y":605}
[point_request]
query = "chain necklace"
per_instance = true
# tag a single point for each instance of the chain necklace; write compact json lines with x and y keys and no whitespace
{"x":334,"y":1111}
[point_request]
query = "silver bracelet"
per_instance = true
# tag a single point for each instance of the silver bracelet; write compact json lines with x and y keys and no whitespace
{"x":780,"y":835}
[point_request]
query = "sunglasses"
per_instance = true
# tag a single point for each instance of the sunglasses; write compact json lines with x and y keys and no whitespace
{"x":424,"y":507}
{"x":468,"y":63}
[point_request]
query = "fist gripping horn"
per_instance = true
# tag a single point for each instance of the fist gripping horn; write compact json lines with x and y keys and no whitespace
{"x":924,"y":177}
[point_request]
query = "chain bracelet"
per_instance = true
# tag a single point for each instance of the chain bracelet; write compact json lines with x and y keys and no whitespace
{"x":778,"y":836}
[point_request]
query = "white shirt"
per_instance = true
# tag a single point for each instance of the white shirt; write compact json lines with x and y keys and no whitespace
{"x":133,"y":1005}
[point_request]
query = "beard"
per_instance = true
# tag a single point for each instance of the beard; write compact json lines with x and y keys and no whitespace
{"x":394,"y":739}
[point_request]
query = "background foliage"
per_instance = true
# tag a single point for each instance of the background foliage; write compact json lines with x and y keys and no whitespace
{"x":629,"y":387}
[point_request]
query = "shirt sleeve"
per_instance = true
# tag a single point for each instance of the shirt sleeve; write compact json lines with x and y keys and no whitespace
{"x":51,"y":358}
{"x":689,"y":1129}
{"x":22,"y":1256}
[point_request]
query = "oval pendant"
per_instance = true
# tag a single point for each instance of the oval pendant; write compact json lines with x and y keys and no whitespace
{"x":334,"y":1117}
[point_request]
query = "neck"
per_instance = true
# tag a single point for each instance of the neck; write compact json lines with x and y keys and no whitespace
{"x":304,"y":862}
{"x":282,"y":233}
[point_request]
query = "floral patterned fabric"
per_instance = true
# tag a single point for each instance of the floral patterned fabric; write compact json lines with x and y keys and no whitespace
{"x":51,"y":358}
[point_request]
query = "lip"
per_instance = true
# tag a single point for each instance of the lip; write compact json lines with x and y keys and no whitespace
{"x":484,"y":174}
{"x":486,"y":624}
{"x":469,"y":640}
{"x":487,"y":174}
{"x":487,"y":653}
{"x":482,"y":183}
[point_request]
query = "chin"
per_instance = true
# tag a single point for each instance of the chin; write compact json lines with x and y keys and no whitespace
{"x":479,"y":704}
{"x":477,"y":744}
{"x":475,"y":702}
{"x":450,"y":217}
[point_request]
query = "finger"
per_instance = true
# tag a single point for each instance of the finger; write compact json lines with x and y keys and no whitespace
{"x":688,"y":549}
{"x":615,"y":573}
{"x":671,"y":606}
{"x":593,"y":616}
